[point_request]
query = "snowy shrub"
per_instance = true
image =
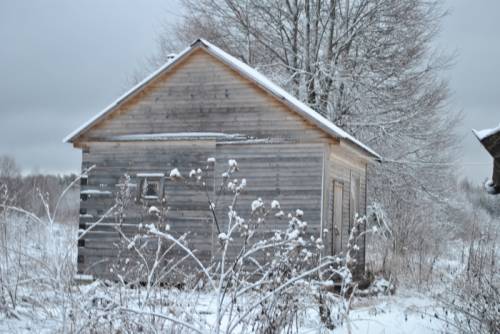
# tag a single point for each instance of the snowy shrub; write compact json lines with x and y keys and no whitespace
{"x":251,"y":282}
{"x":253,"y":286}
{"x":472,"y":299}
{"x":257,"y":281}
{"x":37,"y":258}
{"x":474,"y":305}
{"x":410,"y":247}
{"x":472,"y":302}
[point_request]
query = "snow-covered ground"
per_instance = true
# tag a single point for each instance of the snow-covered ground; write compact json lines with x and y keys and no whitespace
{"x":406,"y":312}
{"x":46,"y":305}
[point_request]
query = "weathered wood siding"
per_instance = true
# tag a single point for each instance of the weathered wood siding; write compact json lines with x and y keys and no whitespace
{"x":288,"y":173}
{"x":297,"y":166}
{"x":203,"y":94}
{"x":348,"y":170}
{"x":188,"y":204}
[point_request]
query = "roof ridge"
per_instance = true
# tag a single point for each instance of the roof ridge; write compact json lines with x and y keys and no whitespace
{"x":250,"y":73}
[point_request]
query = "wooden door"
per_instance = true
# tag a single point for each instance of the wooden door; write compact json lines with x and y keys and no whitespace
{"x":336,"y":230}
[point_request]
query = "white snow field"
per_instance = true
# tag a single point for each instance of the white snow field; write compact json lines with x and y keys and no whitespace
{"x":39,"y":262}
{"x":43,"y":307}
{"x":405,"y":313}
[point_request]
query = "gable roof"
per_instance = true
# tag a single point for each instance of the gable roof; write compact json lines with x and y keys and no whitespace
{"x":244,"y":70}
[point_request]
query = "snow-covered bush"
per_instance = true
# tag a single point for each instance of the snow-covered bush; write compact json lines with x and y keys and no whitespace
{"x":256,"y":282}
{"x":253,"y":280}
{"x":474,"y":305}
{"x":24,"y":190}
{"x":37,"y":258}
{"x":409,"y":249}
{"x":472,"y":297}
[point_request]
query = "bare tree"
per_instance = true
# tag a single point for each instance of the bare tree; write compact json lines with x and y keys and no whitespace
{"x":367,"y":65}
{"x":25,"y":190}
{"x":9,"y":168}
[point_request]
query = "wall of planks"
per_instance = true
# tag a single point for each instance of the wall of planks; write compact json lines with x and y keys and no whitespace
{"x":295,"y":162}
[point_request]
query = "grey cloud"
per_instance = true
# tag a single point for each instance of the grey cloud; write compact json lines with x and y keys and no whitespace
{"x":63,"y":61}
{"x":472,"y":30}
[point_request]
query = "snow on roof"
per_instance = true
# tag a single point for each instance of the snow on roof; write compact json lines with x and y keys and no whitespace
{"x":123,"y":97}
{"x":150,"y":174}
{"x":301,"y":107}
{"x":95,"y":192}
{"x":481,"y":134}
{"x":175,"y":135}
{"x":246,"y":71}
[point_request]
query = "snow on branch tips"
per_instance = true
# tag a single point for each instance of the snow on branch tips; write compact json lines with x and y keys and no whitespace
{"x":175,"y":174}
{"x":248,"y":284}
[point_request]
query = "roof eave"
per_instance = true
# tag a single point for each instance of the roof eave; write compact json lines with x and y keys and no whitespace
{"x":312,"y":116}
{"x":127,"y":95}
{"x":216,"y":52}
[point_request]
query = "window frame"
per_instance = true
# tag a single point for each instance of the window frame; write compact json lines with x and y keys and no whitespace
{"x":158,"y":179}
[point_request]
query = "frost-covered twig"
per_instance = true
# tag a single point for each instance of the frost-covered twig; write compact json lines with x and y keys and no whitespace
{"x":164,"y":316}
{"x":97,"y":222}
{"x":189,"y":252}
{"x":64,"y":192}
{"x":31,"y":215}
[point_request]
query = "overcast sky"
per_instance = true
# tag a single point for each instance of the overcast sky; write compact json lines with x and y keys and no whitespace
{"x":63,"y":61}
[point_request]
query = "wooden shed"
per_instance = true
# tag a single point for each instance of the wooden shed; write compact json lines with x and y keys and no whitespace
{"x":205,"y":103}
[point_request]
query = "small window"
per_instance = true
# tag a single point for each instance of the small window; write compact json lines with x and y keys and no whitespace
{"x":151,"y":187}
